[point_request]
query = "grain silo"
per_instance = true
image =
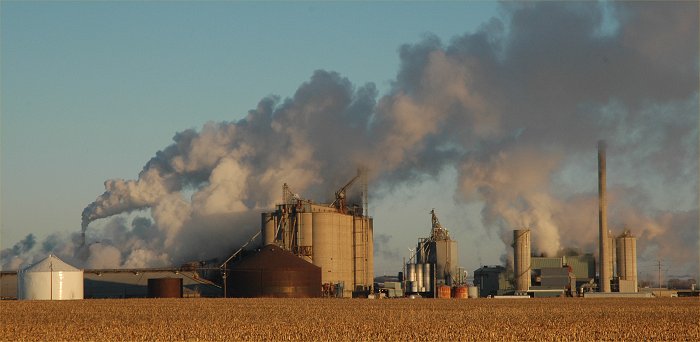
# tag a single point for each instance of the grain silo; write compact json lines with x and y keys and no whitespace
{"x":521,"y":259}
{"x":627,"y":261}
{"x":50,"y":279}
{"x":336,"y":237}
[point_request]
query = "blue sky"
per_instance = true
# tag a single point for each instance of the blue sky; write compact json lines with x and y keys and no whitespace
{"x":90,"y":91}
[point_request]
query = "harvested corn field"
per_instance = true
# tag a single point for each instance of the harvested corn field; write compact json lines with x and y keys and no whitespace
{"x":352,"y":319}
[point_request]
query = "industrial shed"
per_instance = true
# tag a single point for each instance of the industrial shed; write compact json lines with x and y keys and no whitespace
{"x":274,"y":272}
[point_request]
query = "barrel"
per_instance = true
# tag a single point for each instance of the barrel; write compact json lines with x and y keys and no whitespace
{"x":444,"y":291}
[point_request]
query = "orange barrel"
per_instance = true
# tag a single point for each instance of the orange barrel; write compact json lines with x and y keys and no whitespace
{"x":461,"y":292}
{"x":444,"y":291}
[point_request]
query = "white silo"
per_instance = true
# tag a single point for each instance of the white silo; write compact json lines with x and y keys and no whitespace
{"x":50,"y":279}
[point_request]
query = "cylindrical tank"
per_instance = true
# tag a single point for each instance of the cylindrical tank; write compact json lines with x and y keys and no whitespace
{"x":333,"y":248}
{"x":412,"y":286}
{"x":411,"y":272}
{"x":419,"y":277}
{"x":473,"y":292}
{"x":461,"y":292}
{"x":268,"y":228}
{"x":165,"y":288}
{"x":427,"y":277}
{"x":444,"y":291}
{"x":521,"y":260}
{"x":50,"y":279}
{"x":627,"y":257}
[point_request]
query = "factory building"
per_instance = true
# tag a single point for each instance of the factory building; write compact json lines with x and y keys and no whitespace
{"x":492,"y":281}
{"x":336,"y":237}
{"x":435,"y":261}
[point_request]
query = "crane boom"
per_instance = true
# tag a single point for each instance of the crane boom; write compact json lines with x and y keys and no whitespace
{"x":339,"y":202}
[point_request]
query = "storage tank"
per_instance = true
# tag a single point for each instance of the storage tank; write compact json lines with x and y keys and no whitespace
{"x":473,"y":292}
{"x":444,"y":291}
{"x":333,"y":248}
{"x":427,"y":277}
{"x":268,"y":228}
{"x":461,"y":292}
{"x":627,"y":257}
{"x":411,"y":272}
{"x":274,"y":272}
{"x":521,"y":260}
{"x":412,"y":286}
{"x":165,"y":288}
{"x":419,"y":277}
{"x":50,"y":279}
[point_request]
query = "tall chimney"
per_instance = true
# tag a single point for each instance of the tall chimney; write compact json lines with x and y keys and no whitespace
{"x":604,"y":258}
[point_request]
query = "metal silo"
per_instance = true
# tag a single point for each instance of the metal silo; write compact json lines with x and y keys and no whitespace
{"x":268,"y":228}
{"x":419,"y":277}
{"x":427,"y":277}
{"x":627,"y":257}
{"x":411,"y":272}
{"x":521,"y":260}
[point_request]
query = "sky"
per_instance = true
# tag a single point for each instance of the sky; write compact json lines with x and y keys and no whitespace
{"x":489,"y":113}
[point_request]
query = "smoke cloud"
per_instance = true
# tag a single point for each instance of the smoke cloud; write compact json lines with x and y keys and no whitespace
{"x":516,"y":108}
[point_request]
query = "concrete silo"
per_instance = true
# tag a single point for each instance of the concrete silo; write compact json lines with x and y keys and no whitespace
{"x":521,"y":259}
{"x":627,"y":261}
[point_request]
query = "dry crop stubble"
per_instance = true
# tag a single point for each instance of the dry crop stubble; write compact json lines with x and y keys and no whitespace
{"x":352,"y":319}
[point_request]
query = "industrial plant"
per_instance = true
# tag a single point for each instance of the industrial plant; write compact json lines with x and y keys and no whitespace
{"x":306,"y":249}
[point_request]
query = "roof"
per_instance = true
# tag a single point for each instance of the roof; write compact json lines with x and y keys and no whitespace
{"x":51,"y":264}
{"x":273,"y":257}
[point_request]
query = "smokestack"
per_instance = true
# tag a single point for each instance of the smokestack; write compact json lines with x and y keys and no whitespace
{"x":604,"y":258}
{"x":521,"y":259}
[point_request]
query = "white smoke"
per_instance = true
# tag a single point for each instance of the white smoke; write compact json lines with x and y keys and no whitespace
{"x":516,"y":107}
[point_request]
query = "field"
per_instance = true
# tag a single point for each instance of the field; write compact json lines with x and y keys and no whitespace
{"x":666,"y":319}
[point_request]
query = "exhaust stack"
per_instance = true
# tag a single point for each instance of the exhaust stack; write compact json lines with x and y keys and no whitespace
{"x":604,"y":259}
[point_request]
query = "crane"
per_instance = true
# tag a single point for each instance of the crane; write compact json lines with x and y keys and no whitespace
{"x":340,"y":195}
